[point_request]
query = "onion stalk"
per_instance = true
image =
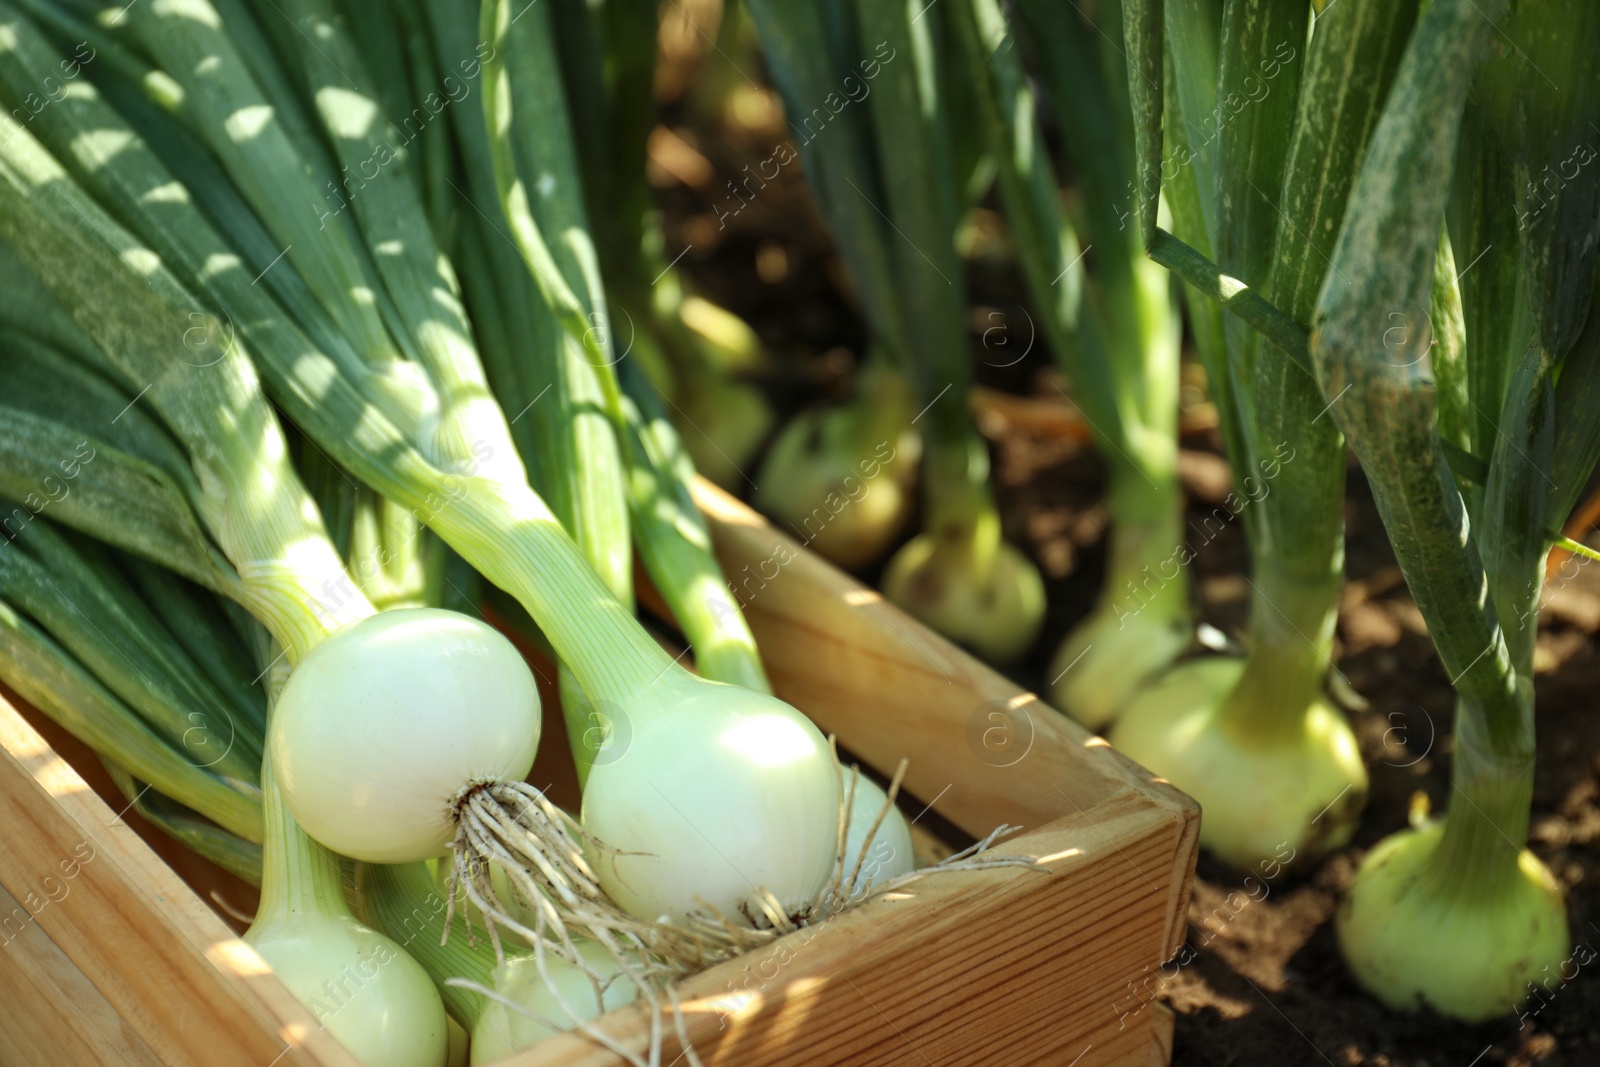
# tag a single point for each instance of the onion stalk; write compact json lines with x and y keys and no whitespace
{"x":823,"y":459}
{"x":569,"y":443}
{"x":693,"y":350}
{"x":1506,"y":366}
{"x":842,"y":477}
{"x":960,"y":575}
{"x":464,"y":479}
{"x":1117,"y":341}
{"x":1264,"y":191}
{"x":253,"y":505}
{"x":888,"y":182}
{"x":347,"y":975}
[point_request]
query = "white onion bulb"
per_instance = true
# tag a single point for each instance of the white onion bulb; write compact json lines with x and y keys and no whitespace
{"x":889,"y":854}
{"x":361,"y":986}
{"x":500,"y":1031}
{"x":385,"y":723}
{"x":713,"y":792}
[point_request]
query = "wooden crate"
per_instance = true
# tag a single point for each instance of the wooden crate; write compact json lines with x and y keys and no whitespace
{"x":109,"y":955}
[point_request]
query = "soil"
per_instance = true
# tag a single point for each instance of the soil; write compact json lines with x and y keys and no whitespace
{"x":1266,"y":985}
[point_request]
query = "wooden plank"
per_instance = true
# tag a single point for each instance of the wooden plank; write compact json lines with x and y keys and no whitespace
{"x":53,"y":1013}
{"x":999,"y":967}
{"x":176,"y":975}
{"x":209,"y":882}
{"x":1163,"y":1024}
{"x":984,"y":750}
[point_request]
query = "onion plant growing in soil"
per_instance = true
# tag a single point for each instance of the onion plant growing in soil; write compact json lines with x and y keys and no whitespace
{"x":843,"y":474}
{"x":1255,"y":136}
{"x":1478,"y":430}
{"x":1115,"y":337}
{"x":892,"y":174}
{"x":1476,"y":426}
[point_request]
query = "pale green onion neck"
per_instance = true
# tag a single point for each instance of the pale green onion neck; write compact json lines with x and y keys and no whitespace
{"x":1290,"y":653}
{"x":961,"y":515}
{"x":513,"y":539}
{"x":1517,"y":608}
{"x":1490,"y":798}
{"x":299,"y":878}
{"x":724,"y":648}
{"x":881,"y":407}
{"x":404,"y":903}
{"x":1148,"y":555}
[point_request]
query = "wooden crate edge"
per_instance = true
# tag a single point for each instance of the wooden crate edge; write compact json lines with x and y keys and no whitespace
{"x":188,"y":946}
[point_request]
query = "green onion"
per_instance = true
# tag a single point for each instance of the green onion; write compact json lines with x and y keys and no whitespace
{"x":256,"y":510}
{"x":1118,"y":347}
{"x":1258,"y":742}
{"x":48,"y":676}
{"x":1458,"y":914}
{"x":839,"y":477}
{"x":887,"y":178}
{"x":467,"y":484}
{"x":535,"y":367}
{"x":649,"y":470}
{"x":691,"y":348}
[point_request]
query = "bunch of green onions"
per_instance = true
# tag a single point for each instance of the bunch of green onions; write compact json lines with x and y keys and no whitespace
{"x":238,"y":190}
{"x":159,"y":654}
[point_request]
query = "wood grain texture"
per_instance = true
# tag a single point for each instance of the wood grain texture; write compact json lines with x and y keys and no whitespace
{"x":165,"y":964}
{"x":998,"y":968}
{"x":1001,"y":967}
{"x":1162,"y":1025}
{"x":53,"y":1012}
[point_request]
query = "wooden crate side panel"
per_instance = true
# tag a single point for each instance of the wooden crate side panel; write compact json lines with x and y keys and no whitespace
{"x":1163,"y":1024}
{"x":982,"y":749}
{"x":159,"y":957}
{"x":53,"y":1013}
{"x":996,"y":968}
